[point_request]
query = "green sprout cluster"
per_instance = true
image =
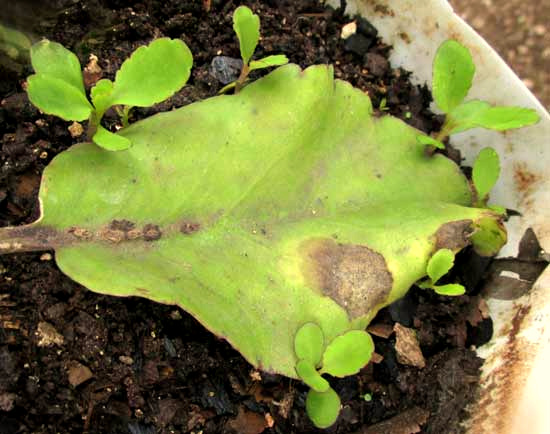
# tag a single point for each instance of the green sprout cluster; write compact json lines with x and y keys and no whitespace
{"x":440,"y":264}
{"x":152,"y":74}
{"x":247,"y":27}
{"x":344,"y":355}
{"x":13,"y":42}
{"x":453,"y":73}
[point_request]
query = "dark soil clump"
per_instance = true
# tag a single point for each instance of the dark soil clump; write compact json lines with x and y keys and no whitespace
{"x":73,"y":361}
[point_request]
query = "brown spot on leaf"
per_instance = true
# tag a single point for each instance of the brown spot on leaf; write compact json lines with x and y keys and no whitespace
{"x":142,"y":291}
{"x":121,"y":225}
{"x":453,"y":235}
{"x":81,"y":233}
{"x":354,"y":276}
{"x":134,"y":234}
{"x":151,"y":232}
{"x":112,"y":235}
{"x":188,"y":228}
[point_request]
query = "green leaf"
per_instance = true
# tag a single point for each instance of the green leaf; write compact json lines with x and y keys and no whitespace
{"x":110,"y":141}
{"x":309,"y":343}
{"x":247,"y":27}
{"x":55,"y":61}
{"x":440,"y":264}
{"x":489,"y":236}
{"x":498,"y":209}
{"x":269,"y":61}
{"x":101,"y":94}
{"x":485,"y":172}
{"x":348,"y":353}
{"x":256,"y":217}
{"x":309,"y":375}
{"x":152,"y":73}
{"x":453,"y":71}
{"x":480,"y":114}
{"x":452,"y":289}
{"x":323,"y":407}
{"x":54,"y":96}
{"x":507,"y":118}
{"x":429,"y":141}
{"x":13,"y":42}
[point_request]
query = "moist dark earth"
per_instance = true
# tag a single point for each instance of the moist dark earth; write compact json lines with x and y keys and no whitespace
{"x":133,"y":366}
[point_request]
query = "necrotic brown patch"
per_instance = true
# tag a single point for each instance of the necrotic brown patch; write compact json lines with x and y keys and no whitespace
{"x":453,"y":235}
{"x":354,"y":276}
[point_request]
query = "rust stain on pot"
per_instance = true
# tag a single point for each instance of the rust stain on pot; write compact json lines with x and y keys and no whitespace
{"x":525,"y":179}
{"x":381,"y":8}
{"x":453,"y":235}
{"x":354,"y":276}
{"x":498,"y":400}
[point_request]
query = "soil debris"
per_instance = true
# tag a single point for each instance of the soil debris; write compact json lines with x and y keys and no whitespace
{"x":407,"y":347}
{"x":76,"y":129}
{"x":247,"y":422}
{"x":408,"y":422}
{"x":7,"y":401}
{"x":78,"y":373}
{"x":48,"y":335}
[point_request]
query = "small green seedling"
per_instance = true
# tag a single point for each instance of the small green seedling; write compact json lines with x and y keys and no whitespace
{"x":247,"y":27}
{"x":344,"y":355}
{"x":439,"y":265}
{"x":13,"y":42}
{"x":323,"y":407}
{"x":485,"y":174}
{"x":383,"y":107}
{"x":152,"y":74}
{"x":453,"y":72}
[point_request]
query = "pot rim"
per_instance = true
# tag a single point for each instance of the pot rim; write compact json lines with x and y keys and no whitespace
{"x":514,"y":381}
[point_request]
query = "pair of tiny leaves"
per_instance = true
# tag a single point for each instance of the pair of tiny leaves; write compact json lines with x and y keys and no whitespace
{"x":151,"y":74}
{"x":13,"y":42}
{"x":344,"y":355}
{"x":247,"y":27}
{"x":439,"y":264}
{"x":453,"y":72}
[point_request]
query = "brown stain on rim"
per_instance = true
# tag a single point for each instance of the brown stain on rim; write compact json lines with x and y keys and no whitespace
{"x":354,"y":276}
{"x":499,"y":394}
{"x":525,"y":179}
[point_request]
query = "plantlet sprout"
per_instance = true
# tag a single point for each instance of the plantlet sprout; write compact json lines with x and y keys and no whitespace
{"x":345,"y":355}
{"x":13,"y":42}
{"x":247,"y":27}
{"x":453,"y":72}
{"x":439,"y":265}
{"x":485,"y":174}
{"x":323,"y":407}
{"x":150,"y":75}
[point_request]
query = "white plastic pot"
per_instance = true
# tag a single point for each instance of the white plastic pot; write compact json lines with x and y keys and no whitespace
{"x":515,"y":376}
